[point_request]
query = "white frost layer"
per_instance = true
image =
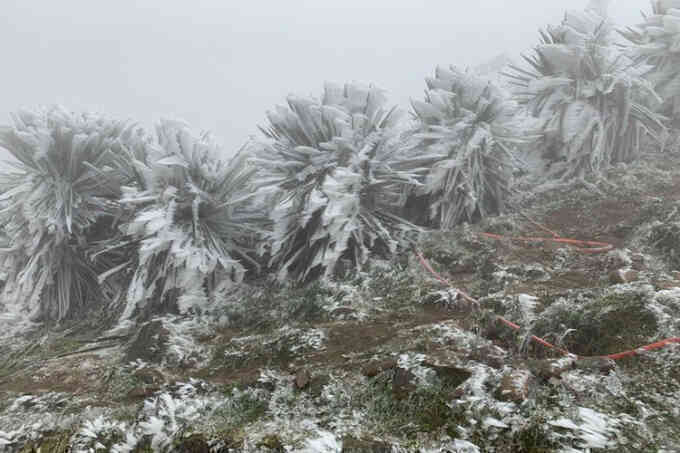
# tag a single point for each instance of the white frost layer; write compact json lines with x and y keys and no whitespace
{"x":593,"y":429}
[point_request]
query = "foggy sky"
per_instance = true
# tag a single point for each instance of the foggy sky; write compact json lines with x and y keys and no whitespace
{"x":221,"y":64}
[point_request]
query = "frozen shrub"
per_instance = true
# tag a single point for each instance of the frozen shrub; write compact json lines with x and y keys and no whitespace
{"x":58,"y":201}
{"x":193,"y":220}
{"x":591,"y":103}
{"x":331,"y":169}
{"x":460,"y":134}
{"x":656,"y":43}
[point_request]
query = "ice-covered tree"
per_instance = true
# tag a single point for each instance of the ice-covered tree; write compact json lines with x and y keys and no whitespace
{"x":656,"y":43}
{"x":192,"y":222}
{"x":59,"y":199}
{"x":461,"y":134}
{"x":332,"y":170}
{"x":593,"y":106}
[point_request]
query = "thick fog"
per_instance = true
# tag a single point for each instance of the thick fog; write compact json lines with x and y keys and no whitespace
{"x":221,"y":64}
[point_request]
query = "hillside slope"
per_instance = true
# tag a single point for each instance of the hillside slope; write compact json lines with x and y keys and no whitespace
{"x":393,"y":360}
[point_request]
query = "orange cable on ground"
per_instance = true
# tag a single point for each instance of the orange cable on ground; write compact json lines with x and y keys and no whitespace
{"x":582,"y":246}
{"x":585,"y":246}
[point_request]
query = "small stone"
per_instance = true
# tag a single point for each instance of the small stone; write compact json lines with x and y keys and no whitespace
{"x":637,"y":261}
{"x":623,"y":276}
{"x":601,"y":364}
{"x":343,"y":313}
{"x":551,"y":368}
{"x":353,"y":445}
{"x":451,"y":375}
{"x":616,"y":277}
{"x":536,"y":272}
{"x":149,"y":376}
{"x":617,"y":259}
{"x":150,"y":344}
{"x":142,"y":392}
{"x":316,"y":385}
{"x":489,"y":355}
{"x":302,"y":379}
{"x":631,"y":275}
{"x":376,"y":367}
{"x":514,"y":386}
{"x":403,"y":383}
{"x":272,"y":443}
{"x":195,"y":443}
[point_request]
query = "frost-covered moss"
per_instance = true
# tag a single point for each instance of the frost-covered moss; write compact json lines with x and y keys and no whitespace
{"x":50,"y":442}
{"x":665,"y":237}
{"x":389,"y":410}
{"x":615,"y":322}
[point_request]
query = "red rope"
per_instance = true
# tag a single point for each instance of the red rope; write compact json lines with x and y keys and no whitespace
{"x":583,"y":246}
{"x":580,"y":245}
{"x":619,"y":355}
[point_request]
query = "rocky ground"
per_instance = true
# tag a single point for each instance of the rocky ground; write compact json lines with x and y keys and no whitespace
{"x":392,"y":360}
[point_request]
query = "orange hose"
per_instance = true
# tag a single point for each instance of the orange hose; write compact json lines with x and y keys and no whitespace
{"x":585,"y":246}
{"x":616,"y":356}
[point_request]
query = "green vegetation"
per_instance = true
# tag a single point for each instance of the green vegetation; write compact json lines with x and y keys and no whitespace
{"x":612,"y":323}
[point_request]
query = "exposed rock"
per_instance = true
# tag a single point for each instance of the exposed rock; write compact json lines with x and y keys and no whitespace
{"x":551,"y":368}
{"x":595,"y":364}
{"x":535,"y":271}
{"x":343,"y":313}
{"x":149,"y":376}
{"x":150,"y":344}
{"x":452,"y":376}
{"x":193,"y":444}
{"x":514,"y":386}
{"x":374,"y":368}
{"x":617,"y":259}
{"x":490,"y":355}
{"x":403,"y":383}
{"x":302,"y":379}
{"x":623,"y":276}
{"x":464,"y":265}
{"x":142,"y":391}
{"x":352,"y":445}
{"x":637,"y":261}
{"x":316,"y":384}
{"x":271,"y":443}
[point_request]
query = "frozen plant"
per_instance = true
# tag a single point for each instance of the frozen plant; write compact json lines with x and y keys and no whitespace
{"x":332,"y":171}
{"x":194,"y":220}
{"x":656,"y":43}
{"x":591,"y":103}
{"x":461,"y":136}
{"x":59,"y":199}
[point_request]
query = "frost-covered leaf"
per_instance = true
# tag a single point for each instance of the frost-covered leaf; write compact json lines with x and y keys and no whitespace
{"x":59,"y":201}
{"x":338,"y":176}
{"x":459,"y":135}
{"x":591,"y":102}
{"x":655,"y":43}
{"x":194,"y":225}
